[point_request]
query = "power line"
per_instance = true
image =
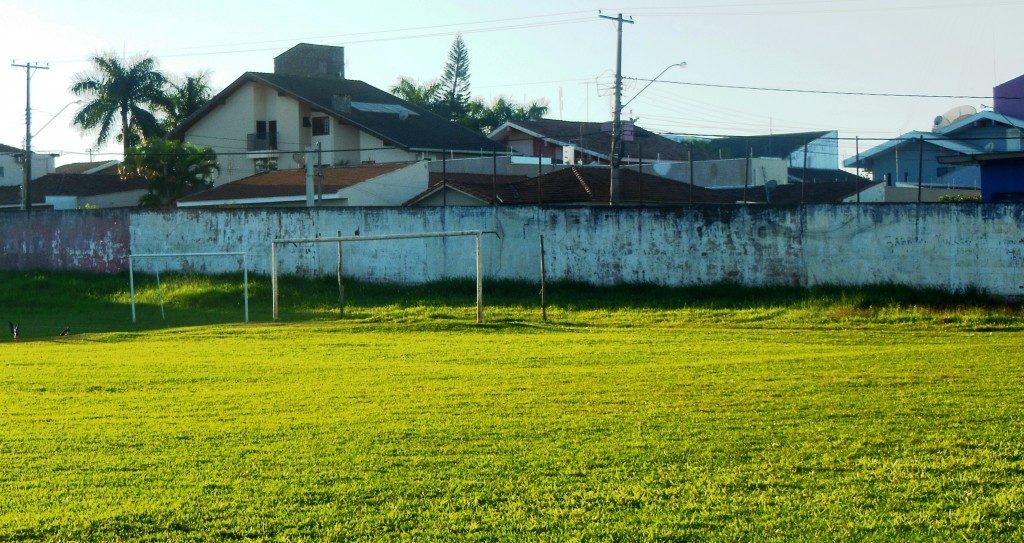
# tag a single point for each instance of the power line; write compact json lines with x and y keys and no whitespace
{"x":840,"y":93}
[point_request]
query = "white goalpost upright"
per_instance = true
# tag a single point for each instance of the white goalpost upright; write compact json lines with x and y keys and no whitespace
{"x":346,"y":239}
{"x":131,"y":276}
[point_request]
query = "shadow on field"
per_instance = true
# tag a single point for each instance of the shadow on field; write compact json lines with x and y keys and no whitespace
{"x":45,"y":302}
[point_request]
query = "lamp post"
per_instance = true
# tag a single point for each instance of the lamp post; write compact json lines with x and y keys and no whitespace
{"x":613,"y":191}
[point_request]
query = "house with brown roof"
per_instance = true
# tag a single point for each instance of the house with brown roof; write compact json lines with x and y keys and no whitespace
{"x":387,"y":184}
{"x":265,"y":121}
{"x":575,"y":185}
{"x":77,"y":191}
{"x":585,"y":143}
{"x":102,"y":166}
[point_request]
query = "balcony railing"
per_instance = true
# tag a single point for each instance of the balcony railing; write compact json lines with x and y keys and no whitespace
{"x":263,"y":141}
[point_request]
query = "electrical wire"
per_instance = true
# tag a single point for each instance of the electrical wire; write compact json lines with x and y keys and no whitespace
{"x":832,"y":92}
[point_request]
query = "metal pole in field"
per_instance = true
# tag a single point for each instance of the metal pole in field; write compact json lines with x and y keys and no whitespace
{"x":245,"y":285}
{"x":160,"y":295}
{"x":131,"y":286}
{"x":341,"y":287}
{"x":479,"y":283}
{"x":543,"y":284}
{"x":273,"y":278}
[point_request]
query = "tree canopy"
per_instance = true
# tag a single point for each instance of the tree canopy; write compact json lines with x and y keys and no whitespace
{"x":186,"y":98}
{"x":124,"y":98}
{"x":450,"y":98}
{"x":173,"y":169}
{"x":120,"y":94}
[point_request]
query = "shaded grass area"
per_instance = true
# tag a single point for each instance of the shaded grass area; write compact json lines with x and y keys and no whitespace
{"x":324,"y":430}
{"x":46,"y":302}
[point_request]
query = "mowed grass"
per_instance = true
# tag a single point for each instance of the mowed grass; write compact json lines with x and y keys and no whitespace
{"x":634,"y":413}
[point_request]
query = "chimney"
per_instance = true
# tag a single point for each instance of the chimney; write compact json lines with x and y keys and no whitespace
{"x":309,"y":60}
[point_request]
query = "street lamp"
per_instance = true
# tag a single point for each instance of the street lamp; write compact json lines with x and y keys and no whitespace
{"x":651,"y":82}
{"x":613,"y":192}
{"x":69,"y":104}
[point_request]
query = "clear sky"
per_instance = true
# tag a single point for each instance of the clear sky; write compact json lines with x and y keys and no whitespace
{"x":557,"y":51}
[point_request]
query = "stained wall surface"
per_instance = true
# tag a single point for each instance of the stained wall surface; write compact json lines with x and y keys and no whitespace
{"x":951,"y":246}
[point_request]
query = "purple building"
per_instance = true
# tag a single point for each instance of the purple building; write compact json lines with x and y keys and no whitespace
{"x":1009,"y":98}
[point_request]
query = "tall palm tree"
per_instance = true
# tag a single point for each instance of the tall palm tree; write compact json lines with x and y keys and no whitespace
{"x":186,"y":98}
{"x":120,"y":91}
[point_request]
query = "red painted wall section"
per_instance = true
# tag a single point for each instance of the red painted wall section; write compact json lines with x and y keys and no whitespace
{"x":96,"y":241}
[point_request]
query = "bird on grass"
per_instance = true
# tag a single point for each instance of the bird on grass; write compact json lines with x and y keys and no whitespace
{"x":15,"y":329}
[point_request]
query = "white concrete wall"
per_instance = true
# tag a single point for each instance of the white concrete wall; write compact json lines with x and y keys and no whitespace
{"x":935,"y":245}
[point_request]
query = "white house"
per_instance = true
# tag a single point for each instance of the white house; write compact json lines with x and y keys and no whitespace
{"x":263,"y":121}
{"x":11,"y":162}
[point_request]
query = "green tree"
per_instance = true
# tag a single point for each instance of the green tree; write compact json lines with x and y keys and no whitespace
{"x":424,"y":95}
{"x":186,"y":98}
{"x":454,"y":83}
{"x":172,"y":169}
{"x":122,"y":94}
{"x":484,"y":118}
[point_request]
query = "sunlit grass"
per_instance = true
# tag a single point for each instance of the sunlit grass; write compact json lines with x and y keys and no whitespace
{"x":635,"y":413}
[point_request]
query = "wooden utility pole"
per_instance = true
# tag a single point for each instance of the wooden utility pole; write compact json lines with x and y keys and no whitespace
{"x":26,"y":168}
{"x":617,"y":122}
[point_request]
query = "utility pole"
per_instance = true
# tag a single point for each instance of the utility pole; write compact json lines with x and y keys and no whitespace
{"x":617,"y":122}
{"x":26,"y":200}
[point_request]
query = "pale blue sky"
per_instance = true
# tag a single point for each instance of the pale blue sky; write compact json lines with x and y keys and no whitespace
{"x":546,"y":49}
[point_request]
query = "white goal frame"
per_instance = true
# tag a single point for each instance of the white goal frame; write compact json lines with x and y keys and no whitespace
{"x":346,"y":239}
{"x":131,"y":276}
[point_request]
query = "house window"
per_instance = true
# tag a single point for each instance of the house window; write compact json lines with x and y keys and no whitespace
{"x":1,"y":171}
{"x":266,"y":164}
{"x":321,"y":126}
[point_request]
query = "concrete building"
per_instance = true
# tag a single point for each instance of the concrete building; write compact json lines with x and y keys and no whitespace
{"x":812,"y":150}
{"x":263,"y":121}
{"x":962,"y":132}
{"x":11,"y":165}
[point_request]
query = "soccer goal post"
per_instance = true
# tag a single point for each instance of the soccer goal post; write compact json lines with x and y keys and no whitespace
{"x":478,"y":234}
{"x":131,"y":276}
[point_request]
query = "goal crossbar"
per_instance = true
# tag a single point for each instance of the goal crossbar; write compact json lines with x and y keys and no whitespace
{"x":384,"y":237}
{"x":131,"y":276}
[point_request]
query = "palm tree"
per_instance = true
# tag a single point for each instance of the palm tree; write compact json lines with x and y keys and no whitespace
{"x":424,"y":95}
{"x":187,"y":98}
{"x":120,"y":91}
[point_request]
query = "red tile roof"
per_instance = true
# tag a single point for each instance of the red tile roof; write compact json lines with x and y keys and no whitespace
{"x":285,"y":183}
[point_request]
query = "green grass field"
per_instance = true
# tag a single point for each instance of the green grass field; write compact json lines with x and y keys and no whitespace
{"x":635,"y":413}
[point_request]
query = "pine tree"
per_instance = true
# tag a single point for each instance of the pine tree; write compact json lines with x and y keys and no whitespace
{"x":455,"y":81}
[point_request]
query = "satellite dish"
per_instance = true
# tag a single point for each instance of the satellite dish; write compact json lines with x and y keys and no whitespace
{"x":989,"y":147}
{"x":953,"y":116}
{"x":300,"y":159}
